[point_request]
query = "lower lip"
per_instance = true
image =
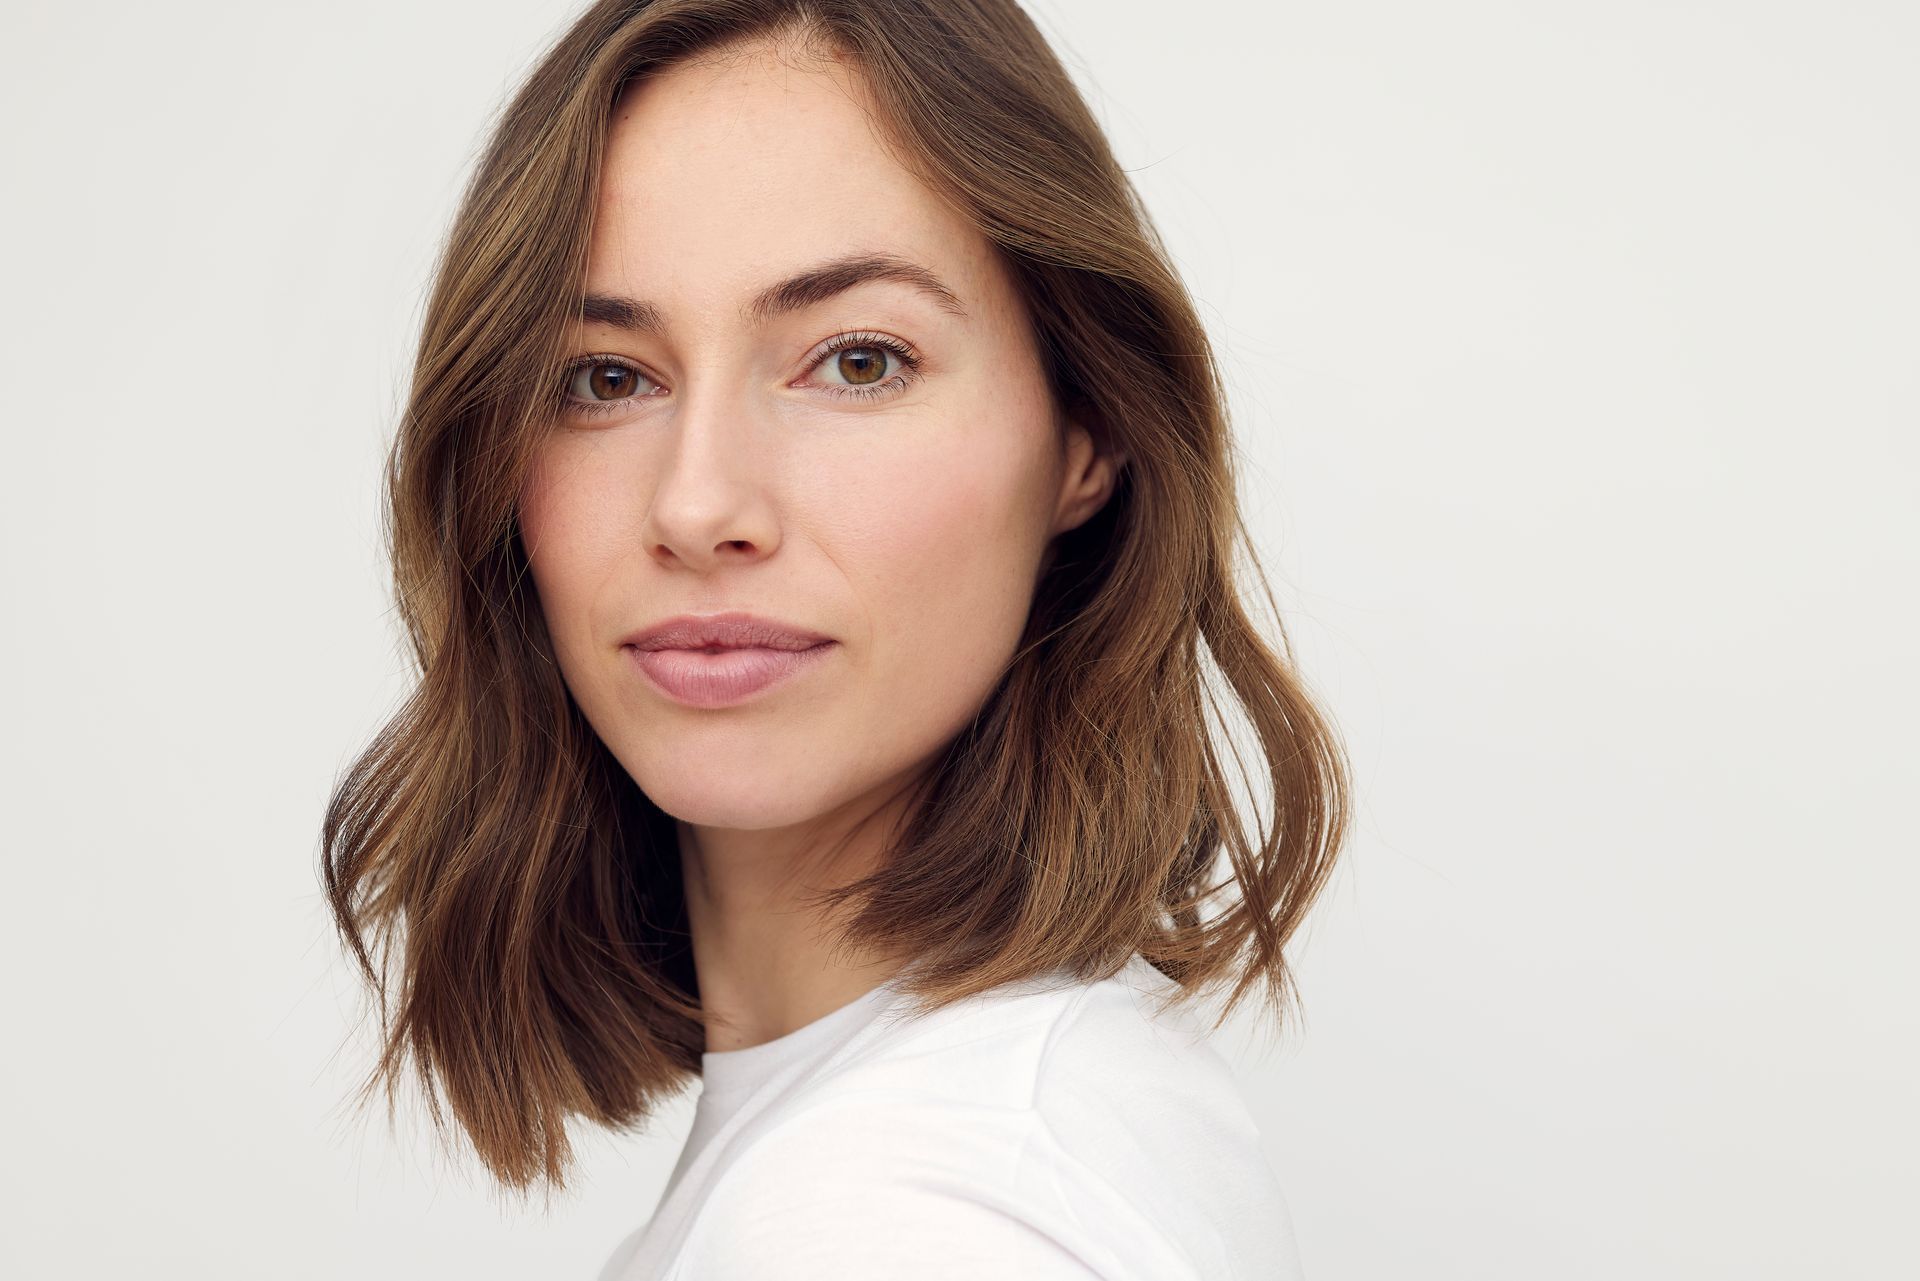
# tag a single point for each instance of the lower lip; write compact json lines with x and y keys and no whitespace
{"x":721,"y":679}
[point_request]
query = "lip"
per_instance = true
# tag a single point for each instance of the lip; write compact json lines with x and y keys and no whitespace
{"x":718,"y":660}
{"x":734,"y":630}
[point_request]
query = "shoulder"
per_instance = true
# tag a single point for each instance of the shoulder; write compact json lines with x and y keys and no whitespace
{"x":1119,"y":1073}
{"x":1015,"y":1046}
{"x":1141,"y":1098}
{"x":889,"y":1186}
{"x":1048,"y":1131}
{"x":805,"y":1205}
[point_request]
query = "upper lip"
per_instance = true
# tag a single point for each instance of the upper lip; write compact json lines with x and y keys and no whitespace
{"x":726,"y":631}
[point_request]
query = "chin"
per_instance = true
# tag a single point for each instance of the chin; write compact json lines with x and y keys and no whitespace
{"x":722,"y":797}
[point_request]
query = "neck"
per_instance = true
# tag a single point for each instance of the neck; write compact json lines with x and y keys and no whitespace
{"x":763,"y":954}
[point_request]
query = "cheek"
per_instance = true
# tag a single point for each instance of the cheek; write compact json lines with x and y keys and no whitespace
{"x":543,"y":522}
{"x":947,"y":552}
{"x":569,"y":549}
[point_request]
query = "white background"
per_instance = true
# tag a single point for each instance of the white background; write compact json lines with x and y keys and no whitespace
{"x":1573,"y":349}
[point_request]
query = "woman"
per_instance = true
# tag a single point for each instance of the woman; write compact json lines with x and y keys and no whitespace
{"x":812,"y":500}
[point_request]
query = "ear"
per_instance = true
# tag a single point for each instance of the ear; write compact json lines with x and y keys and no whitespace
{"x":1088,"y":479}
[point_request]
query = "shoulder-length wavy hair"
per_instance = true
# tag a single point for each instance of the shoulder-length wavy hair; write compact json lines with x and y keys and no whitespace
{"x":522,"y":893}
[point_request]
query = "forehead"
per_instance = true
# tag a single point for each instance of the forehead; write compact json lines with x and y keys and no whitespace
{"x":721,"y":175}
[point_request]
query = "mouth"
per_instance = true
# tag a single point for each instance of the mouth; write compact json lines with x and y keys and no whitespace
{"x":731,"y":649}
{"x":718,"y":633}
{"x":714,"y":676}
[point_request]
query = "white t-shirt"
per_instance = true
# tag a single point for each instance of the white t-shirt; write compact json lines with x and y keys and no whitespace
{"x":1049,"y":1130}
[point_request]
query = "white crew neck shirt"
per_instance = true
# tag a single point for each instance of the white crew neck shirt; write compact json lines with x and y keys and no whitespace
{"x":1050,"y":1130}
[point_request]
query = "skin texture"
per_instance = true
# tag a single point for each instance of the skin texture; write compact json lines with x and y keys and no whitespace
{"x":911,"y":527}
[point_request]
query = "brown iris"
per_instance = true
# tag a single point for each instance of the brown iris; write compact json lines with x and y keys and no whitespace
{"x":610,"y":382}
{"x":862,"y":364}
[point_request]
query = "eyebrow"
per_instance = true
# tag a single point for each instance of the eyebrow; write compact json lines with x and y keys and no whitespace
{"x":814,"y":285}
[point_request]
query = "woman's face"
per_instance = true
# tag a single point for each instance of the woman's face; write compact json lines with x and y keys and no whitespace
{"x":716,"y":457}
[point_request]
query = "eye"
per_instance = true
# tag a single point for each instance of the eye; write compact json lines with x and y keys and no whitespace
{"x":866,"y":365}
{"x":601,"y":385}
{"x":862,"y":364}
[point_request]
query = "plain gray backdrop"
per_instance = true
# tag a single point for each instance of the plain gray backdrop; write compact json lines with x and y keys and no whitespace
{"x":1573,"y":355}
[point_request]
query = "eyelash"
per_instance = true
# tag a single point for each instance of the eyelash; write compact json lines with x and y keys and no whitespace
{"x":909,"y":358}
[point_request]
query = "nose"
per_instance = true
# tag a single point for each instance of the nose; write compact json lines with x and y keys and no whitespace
{"x":710,"y":504}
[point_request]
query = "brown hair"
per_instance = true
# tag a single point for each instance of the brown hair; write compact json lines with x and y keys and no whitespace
{"x":531,"y":893}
